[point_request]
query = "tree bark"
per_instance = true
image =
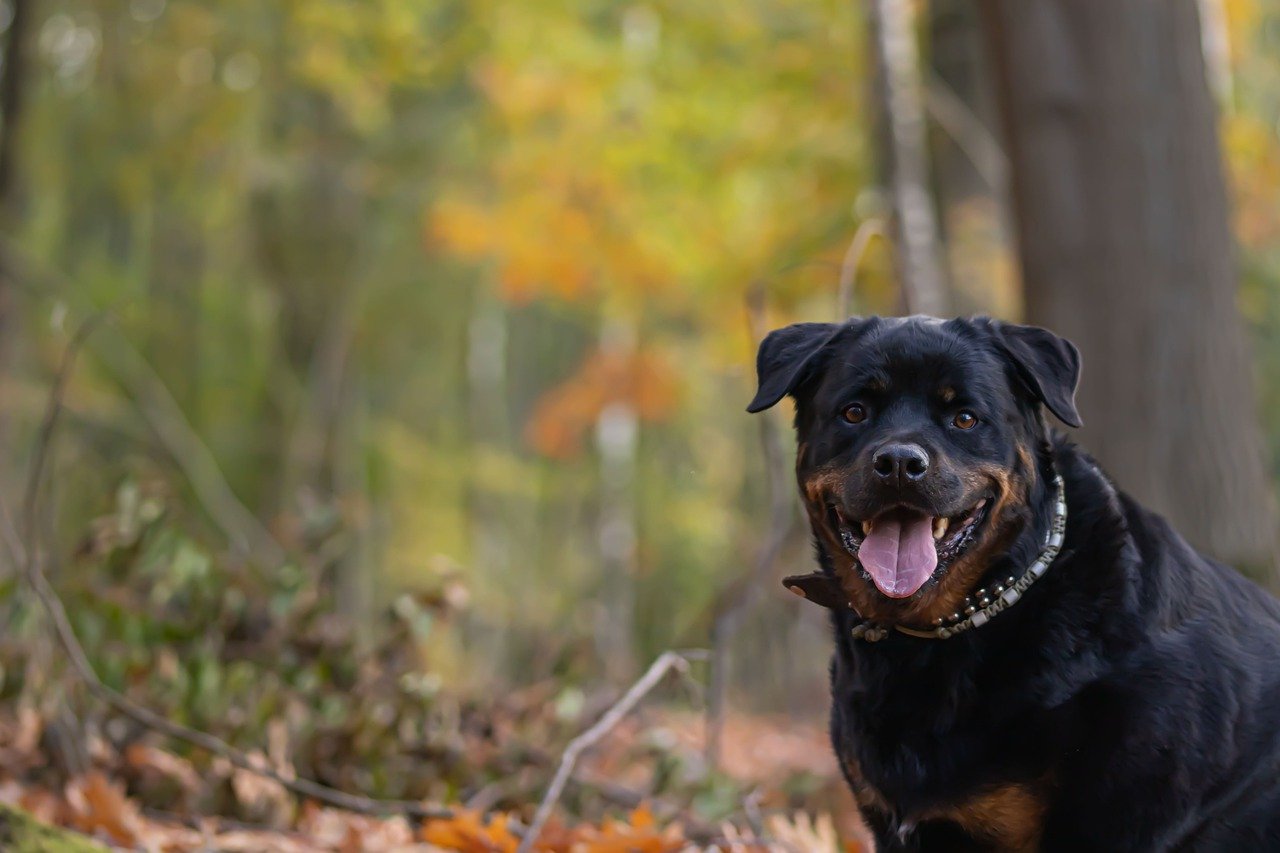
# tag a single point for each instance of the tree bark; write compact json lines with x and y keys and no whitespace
{"x":1123,"y":221}
{"x":618,"y":446}
{"x":12,"y":88}
{"x":920,"y":269}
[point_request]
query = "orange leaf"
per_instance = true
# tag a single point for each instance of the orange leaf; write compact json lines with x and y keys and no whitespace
{"x":643,"y":380}
{"x":464,"y":832}
{"x":98,"y":806}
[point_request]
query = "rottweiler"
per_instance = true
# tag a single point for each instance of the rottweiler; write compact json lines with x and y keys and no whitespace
{"x":1025,"y":657}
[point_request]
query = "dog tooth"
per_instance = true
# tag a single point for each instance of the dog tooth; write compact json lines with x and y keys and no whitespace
{"x":866,"y":528}
{"x":940,"y":527}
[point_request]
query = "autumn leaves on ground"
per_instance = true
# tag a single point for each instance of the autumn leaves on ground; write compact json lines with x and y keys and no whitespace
{"x":143,"y":796}
{"x":263,"y":661}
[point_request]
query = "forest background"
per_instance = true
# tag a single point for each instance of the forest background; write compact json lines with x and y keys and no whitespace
{"x":414,"y":430}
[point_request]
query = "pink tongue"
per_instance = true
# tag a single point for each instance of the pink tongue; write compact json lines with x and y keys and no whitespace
{"x":899,"y":554}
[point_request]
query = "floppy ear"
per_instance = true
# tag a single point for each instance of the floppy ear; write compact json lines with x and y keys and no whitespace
{"x":785,"y":356}
{"x":1048,"y":364}
{"x":821,"y":589}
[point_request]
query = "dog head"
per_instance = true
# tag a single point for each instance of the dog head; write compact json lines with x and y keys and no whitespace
{"x":917,"y":447}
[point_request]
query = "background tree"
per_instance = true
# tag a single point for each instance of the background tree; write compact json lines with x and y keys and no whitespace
{"x":411,"y":299}
{"x":1124,"y":233}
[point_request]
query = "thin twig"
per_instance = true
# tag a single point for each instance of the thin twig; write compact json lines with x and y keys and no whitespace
{"x":666,"y":662}
{"x":968,"y":132}
{"x":869,"y":228}
{"x":27,"y":560}
{"x":192,"y":456}
{"x":53,"y":409}
{"x":156,"y":404}
{"x":595,"y":783}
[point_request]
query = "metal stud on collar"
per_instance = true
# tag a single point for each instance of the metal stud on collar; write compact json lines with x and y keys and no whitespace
{"x":983,"y":605}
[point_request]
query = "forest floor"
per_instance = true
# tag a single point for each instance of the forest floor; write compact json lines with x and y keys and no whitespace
{"x":158,"y":693}
{"x":109,"y":801}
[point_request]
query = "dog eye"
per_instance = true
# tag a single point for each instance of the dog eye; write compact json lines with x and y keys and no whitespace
{"x":965,"y":420}
{"x":855,"y":414}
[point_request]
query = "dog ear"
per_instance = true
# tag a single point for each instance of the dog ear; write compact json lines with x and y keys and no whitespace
{"x":821,"y":589}
{"x":1048,"y":364}
{"x":784,"y":359}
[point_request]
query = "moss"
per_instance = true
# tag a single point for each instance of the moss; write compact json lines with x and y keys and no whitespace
{"x":22,"y":833}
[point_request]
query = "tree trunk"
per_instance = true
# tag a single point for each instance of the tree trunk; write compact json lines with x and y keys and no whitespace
{"x":618,"y":445}
{"x":1122,"y":216}
{"x":13,"y":81}
{"x":493,"y":551}
{"x":901,"y":95}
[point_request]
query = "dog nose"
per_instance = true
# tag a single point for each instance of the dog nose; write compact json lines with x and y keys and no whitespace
{"x":900,"y":462}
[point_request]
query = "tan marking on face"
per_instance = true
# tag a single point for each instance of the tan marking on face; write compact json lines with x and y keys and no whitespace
{"x":818,"y":489}
{"x":944,"y":597}
{"x":1010,"y":818}
{"x":963,"y":575}
{"x":1027,"y":461}
{"x":947,"y":394}
{"x":822,"y":486}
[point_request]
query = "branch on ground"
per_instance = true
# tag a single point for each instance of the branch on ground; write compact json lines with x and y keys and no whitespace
{"x":666,"y":662}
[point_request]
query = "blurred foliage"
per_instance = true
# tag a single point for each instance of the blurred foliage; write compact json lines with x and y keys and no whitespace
{"x":400,"y":266}
{"x":266,"y":663}
{"x":22,"y":834}
{"x":257,"y":659}
{"x":455,"y":296}
{"x":1251,"y":143}
{"x":450,"y":300}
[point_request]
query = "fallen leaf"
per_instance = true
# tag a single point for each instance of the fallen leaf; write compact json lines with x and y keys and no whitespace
{"x":99,"y":807}
{"x":802,"y":832}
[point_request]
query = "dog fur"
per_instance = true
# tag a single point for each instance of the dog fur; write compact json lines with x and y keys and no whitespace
{"x":1130,"y":701}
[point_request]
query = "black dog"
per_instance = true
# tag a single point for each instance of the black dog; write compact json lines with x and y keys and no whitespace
{"x":1025,"y":658}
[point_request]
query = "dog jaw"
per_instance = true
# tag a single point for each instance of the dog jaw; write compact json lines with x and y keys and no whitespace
{"x":941,"y":597}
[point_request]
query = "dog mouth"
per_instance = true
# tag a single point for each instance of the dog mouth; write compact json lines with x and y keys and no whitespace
{"x":901,"y":548}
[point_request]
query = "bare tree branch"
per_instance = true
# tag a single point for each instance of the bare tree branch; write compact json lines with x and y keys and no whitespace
{"x":867,"y":229}
{"x":44,"y":436}
{"x":665,"y":663}
{"x":162,"y":413}
{"x":971,"y":136}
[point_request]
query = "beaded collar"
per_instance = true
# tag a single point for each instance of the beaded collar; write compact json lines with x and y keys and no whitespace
{"x":977,"y":609}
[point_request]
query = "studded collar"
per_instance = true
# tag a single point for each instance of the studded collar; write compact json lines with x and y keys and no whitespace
{"x":979,"y":608}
